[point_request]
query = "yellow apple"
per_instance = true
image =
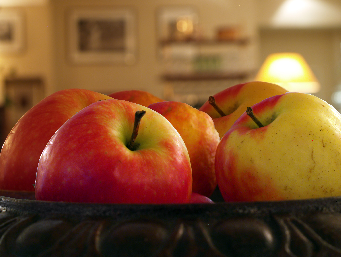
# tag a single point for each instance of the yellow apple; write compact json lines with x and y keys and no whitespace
{"x":201,"y":139}
{"x":295,"y":155}
{"x":234,"y":100}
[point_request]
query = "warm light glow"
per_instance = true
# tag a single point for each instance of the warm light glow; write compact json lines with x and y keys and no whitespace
{"x":22,"y":2}
{"x":290,"y":71}
{"x":185,"y":26}
{"x":306,"y":13}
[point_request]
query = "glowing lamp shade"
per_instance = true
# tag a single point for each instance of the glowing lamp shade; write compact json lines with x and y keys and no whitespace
{"x":290,"y":71}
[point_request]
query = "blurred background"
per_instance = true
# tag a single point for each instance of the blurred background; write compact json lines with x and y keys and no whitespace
{"x":182,"y":50}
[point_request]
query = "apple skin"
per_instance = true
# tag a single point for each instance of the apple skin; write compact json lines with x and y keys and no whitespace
{"x":87,"y":159}
{"x":198,"y":198}
{"x":201,"y":138}
{"x":234,"y":100}
{"x":136,"y":96}
{"x":296,"y":155}
{"x":23,"y":146}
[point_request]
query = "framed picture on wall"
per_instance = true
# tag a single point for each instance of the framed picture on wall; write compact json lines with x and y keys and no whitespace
{"x":102,"y":36}
{"x":11,"y":32}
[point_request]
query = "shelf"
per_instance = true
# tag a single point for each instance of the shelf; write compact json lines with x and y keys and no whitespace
{"x":23,"y":80}
{"x":205,"y":76}
{"x":241,"y":41}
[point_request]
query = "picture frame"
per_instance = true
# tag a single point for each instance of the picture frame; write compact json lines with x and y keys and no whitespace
{"x":102,"y":36}
{"x":11,"y":32}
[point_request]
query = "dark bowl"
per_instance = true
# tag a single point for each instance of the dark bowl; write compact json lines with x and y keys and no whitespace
{"x":284,"y":228}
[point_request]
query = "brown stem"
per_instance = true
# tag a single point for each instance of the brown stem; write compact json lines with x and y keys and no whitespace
{"x":138,"y":116}
{"x":249,"y":112}
{"x":212,"y":102}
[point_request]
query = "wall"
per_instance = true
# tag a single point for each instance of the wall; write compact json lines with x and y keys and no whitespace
{"x":310,"y":27}
{"x":36,"y":57}
{"x":145,"y":73}
{"x":299,"y":13}
{"x":46,"y":51}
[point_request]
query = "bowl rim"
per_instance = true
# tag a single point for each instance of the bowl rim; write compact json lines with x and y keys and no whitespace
{"x":24,"y":203}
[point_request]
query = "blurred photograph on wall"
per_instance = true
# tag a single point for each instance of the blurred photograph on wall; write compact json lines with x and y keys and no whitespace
{"x":102,"y":36}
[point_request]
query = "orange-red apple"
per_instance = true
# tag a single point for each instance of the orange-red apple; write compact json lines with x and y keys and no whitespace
{"x":234,"y":100}
{"x":23,"y":146}
{"x":136,"y":96}
{"x":201,"y":138}
{"x":295,"y":155}
{"x":101,"y":155}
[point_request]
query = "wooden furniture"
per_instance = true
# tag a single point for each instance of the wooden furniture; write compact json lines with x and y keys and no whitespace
{"x":22,"y":93}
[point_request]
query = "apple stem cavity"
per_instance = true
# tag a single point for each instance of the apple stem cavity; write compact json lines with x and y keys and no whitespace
{"x":212,"y":102}
{"x":138,"y":116}
{"x":249,"y":112}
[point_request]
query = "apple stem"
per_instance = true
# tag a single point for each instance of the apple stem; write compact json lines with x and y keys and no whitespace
{"x":138,"y":116}
{"x":249,"y":112}
{"x":212,"y":102}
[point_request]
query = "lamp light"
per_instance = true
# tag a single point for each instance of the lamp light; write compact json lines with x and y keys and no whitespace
{"x":290,"y":71}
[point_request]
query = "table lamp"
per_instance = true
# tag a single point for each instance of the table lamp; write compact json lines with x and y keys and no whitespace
{"x":290,"y":71}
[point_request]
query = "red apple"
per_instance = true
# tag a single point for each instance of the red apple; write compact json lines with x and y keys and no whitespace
{"x":234,"y":100}
{"x":291,"y":150}
{"x":90,"y":158}
{"x":201,"y":138}
{"x":198,"y":198}
{"x":136,"y":96}
{"x":23,"y":146}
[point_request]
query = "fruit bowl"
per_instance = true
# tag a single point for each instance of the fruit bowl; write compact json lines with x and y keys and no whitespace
{"x":285,"y":228}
